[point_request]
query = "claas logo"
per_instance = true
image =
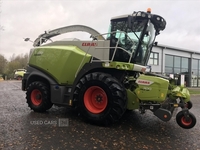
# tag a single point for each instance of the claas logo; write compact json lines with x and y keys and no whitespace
{"x":89,"y":44}
{"x":144,"y":82}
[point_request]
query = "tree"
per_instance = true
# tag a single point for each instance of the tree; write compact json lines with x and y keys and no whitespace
{"x":16,"y":62}
{"x":3,"y":63}
{"x":21,"y":60}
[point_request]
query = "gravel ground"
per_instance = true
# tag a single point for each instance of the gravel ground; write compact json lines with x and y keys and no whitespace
{"x":61,"y":128}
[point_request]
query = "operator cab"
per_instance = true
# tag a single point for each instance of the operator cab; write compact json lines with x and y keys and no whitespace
{"x":132,"y":36}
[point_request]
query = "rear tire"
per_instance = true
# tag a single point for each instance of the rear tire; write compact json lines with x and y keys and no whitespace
{"x":38,"y":97}
{"x":100,"y":98}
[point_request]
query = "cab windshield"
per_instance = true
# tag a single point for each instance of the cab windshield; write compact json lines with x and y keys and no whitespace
{"x":134,"y":44}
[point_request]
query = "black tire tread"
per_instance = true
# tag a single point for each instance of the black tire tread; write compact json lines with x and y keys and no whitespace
{"x":189,"y":104}
{"x":118,"y":93}
{"x":180,"y":115}
{"x":46,"y":104}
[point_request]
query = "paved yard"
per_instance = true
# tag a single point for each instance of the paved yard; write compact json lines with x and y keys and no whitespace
{"x":21,"y":128}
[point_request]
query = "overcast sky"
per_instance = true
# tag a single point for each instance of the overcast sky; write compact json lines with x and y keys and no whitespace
{"x":29,"y":18}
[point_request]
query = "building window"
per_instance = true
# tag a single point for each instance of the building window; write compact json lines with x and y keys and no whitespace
{"x":184,"y":65}
{"x":154,"y":57}
{"x":168,"y":70}
{"x":177,"y":61}
{"x":199,"y":78}
{"x":199,"y":66}
{"x":169,"y":61}
{"x":195,"y":73}
{"x":176,"y":64}
{"x":194,"y":64}
{"x":199,"y":73}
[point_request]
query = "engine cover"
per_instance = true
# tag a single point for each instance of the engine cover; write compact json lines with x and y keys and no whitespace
{"x":151,"y":88}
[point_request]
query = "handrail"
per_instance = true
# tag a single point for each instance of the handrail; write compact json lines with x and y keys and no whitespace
{"x":116,"y":48}
{"x":113,"y":47}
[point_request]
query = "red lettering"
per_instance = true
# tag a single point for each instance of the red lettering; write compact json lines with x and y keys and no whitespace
{"x":89,"y":44}
{"x":143,"y":82}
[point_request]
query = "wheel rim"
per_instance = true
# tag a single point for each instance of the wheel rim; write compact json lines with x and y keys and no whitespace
{"x":19,"y":78}
{"x":95,"y":99}
{"x":186,"y":122}
{"x":36,"y":97}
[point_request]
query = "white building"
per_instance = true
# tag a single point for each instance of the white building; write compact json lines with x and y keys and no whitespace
{"x":173,"y":61}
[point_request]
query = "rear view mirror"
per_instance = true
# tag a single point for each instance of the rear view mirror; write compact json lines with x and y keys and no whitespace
{"x":26,"y":39}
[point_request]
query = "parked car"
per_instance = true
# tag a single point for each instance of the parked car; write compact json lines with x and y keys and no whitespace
{"x":19,"y":73}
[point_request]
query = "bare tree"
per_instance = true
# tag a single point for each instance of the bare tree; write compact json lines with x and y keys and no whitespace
{"x":3,"y":63}
{"x":16,"y":62}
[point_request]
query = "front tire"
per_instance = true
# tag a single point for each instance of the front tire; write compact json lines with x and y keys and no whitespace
{"x":186,"y":123}
{"x":100,"y":98}
{"x":38,"y":97}
{"x":189,"y":104}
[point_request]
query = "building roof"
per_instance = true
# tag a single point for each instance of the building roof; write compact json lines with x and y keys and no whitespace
{"x":178,"y":49}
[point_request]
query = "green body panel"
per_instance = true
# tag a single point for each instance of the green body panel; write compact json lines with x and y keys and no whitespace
{"x":119,"y":65}
{"x":60,"y":62}
{"x":133,"y":101}
{"x":151,"y":88}
{"x":124,"y":66}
